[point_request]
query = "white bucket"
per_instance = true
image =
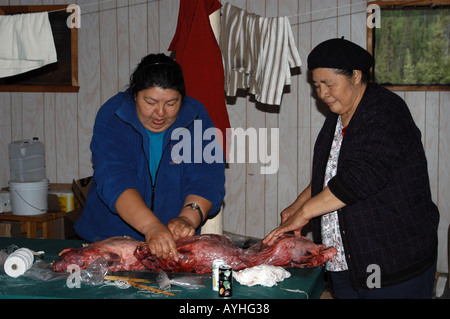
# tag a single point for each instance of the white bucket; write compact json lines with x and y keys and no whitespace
{"x":29,"y":198}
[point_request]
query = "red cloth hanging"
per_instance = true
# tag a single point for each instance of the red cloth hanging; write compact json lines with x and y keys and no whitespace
{"x":198,"y":53}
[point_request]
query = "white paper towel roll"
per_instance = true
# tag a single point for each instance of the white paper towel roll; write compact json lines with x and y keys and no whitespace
{"x":19,"y":262}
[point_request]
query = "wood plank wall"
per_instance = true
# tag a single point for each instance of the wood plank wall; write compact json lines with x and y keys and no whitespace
{"x":115,"y":35}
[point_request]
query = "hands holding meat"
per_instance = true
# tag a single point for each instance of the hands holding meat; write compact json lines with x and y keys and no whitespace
{"x":291,"y":220}
{"x":304,"y":208}
{"x":161,"y":239}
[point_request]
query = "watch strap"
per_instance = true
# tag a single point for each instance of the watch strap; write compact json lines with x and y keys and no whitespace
{"x":196,"y":207}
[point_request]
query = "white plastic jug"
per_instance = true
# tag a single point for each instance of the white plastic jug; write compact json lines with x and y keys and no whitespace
{"x":27,"y":161}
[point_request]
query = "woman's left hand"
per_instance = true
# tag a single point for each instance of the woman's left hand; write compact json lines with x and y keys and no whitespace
{"x":294,"y":223}
{"x":181,"y":227}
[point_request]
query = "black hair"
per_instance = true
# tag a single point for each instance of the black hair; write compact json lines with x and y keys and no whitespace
{"x":157,"y":70}
{"x":365,"y":76}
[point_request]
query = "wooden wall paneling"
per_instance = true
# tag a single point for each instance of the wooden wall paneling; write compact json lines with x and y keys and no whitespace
{"x":432,"y":140}
{"x":68,"y":143}
{"x":359,"y":22}
{"x":50,"y":139}
{"x":234,"y":208}
{"x":109,"y":84}
{"x":154,"y":29}
{"x":33,"y":115}
{"x":90,"y":94}
{"x":50,"y":122}
{"x":444,"y":179}
{"x":123,"y":44}
{"x":5,"y":136}
{"x":416,"y":104}
{"x":255,"y":181}
{"x":138,"y":31}
{"x":324,"y":20}
{"x":16,"y":116}
{"x":288,"y":127}
{"x":272,"y":113}
{"x":305,"y":141}
{"x":168,"y":15}
{"x":344,"y":18}
{"x":272,"y":121}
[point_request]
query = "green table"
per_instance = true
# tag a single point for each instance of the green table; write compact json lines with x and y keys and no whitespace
{"x":303,"y":283}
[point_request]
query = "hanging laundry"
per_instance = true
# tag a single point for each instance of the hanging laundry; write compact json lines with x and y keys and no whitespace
{"x":198,"y":53}
{"x":258,"y":54}
{"x":26,"y":43}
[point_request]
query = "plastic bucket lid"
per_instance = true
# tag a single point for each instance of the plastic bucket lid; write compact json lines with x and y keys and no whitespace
{"x":29,"y":198}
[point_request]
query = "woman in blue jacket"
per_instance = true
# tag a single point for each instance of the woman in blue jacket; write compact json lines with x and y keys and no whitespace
{"x":151,"y":178}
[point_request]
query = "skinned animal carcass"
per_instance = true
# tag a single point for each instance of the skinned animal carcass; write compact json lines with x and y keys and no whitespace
{"x":117,"y":251}
{"x":196,"y":254}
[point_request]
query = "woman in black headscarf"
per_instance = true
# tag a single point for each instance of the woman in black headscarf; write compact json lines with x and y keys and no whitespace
{"x":369,"y":196}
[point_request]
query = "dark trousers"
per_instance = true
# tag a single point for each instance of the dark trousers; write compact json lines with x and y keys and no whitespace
{"x":420,"y":287}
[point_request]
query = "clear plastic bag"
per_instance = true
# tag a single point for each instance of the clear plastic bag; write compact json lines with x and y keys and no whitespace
{"x":92,"y":275}
{"x":188,"y":281}
{"x":42,"y":270}
{"x":95,"y":272}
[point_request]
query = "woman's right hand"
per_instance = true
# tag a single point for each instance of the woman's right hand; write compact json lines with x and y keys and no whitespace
{"x":287,"y":213}
{"x":160,"y":241}
{"x":132,"y":209}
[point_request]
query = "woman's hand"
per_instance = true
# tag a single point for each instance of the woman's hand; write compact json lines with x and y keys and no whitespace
{"x":287,"y":213}
{"x":181,"y":227}
{"x":160,"y":241}
{"x":132,"y":209}
{"x":294,"y":221}
{"x":189,"y":218}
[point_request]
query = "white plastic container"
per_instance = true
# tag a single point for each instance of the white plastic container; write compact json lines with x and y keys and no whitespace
{"x":29,"y":198}
{"x":26,"y":161}
{"x":5,"y":202}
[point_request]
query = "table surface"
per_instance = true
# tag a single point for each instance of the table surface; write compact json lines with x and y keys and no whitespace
{"x":303,"y":283}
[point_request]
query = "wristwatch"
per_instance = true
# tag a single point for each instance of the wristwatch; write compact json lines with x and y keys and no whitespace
{"x":197,"y":208}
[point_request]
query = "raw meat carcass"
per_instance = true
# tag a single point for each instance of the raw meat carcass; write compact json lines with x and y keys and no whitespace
{"x":118,"y":251}
{"x":197,"y":253}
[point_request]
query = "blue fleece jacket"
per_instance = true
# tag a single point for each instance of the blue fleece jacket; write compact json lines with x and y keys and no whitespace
{"x":120,"y":152}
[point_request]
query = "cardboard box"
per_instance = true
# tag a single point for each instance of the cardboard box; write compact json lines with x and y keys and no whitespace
{"x":62,"y":197}
{"x":80,"y":189}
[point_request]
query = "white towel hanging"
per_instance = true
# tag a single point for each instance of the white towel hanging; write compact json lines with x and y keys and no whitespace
{"x":27,"y":43}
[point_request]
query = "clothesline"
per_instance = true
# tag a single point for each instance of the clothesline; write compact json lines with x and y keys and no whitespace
{"x":292,"y":16}
{"x":328,"y":9}
{"x":106,"y":1}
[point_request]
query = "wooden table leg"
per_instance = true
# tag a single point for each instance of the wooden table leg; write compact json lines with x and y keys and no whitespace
{"x":47,"y":230}
{"x":50,"y":229}
{"x":31,"y":229}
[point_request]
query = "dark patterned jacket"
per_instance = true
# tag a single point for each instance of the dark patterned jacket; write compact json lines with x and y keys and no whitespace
{"x":390,"y":219}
